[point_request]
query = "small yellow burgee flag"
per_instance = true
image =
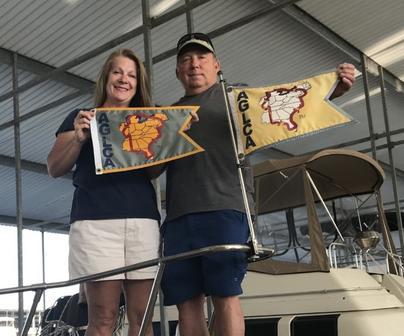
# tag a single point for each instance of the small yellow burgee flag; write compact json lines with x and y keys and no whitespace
{"x":269,"y":115}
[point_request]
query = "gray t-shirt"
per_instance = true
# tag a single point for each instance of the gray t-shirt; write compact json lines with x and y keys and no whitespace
{"x":209,"y":180}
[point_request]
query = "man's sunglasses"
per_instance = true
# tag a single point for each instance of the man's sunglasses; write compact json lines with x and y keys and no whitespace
{"x":197,"y":36}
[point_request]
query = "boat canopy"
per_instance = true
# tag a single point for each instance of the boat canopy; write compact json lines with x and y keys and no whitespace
{"x":291,"y":183}
{"x":335,"y":172}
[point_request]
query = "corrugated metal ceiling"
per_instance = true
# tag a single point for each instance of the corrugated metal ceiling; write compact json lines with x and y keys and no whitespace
{"x":375,"y":27}
{"x":275,"y":48}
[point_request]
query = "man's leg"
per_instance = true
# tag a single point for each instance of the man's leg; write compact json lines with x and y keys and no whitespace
{"x":224,"y":272}
{"x":192,"y":318}
{"x":229,"y":319}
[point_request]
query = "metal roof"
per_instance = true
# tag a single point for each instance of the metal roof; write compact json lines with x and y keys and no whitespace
{"x":255,"y":44}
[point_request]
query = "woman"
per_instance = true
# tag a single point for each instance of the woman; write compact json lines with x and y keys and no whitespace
{"x":114,"y":217}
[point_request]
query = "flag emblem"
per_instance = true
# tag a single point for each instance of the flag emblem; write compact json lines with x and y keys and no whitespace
{"x":281,"y":105}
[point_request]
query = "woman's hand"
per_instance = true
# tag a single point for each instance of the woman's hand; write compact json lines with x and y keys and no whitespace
{"x":82,"y":125}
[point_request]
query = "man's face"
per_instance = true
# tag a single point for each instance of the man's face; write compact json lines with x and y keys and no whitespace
{"x":197,"y":69}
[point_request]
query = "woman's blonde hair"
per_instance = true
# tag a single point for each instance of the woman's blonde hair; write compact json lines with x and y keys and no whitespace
{"x":142,"y":96}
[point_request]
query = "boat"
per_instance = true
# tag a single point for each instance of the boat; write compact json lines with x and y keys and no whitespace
{"x":328,"y":277}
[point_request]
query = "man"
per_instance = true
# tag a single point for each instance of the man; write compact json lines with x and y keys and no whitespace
{"x":204,"y":203}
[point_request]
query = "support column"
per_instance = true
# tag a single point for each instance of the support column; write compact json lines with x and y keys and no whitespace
{"x":391,"y":159}
{"x":147,"y":26}
{"x":189,"y":16}
{"x":148,"y":61}
{"x":368,"y":108}
{"x":43,"y":266}
{"x":17,"y":150}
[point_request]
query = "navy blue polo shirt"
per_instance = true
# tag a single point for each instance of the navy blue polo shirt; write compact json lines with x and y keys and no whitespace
{"x":127,"y":194}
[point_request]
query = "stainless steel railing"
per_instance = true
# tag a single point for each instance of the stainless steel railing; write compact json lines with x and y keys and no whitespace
{"x":160,"y":262}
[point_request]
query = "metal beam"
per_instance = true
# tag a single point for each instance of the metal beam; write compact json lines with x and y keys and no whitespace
{"x":18,"y":192}
{"x":391,"y":145}
{"x":359,"y":141}
{"x":34,"y":167}
{"x":189,"y":17}
{"x":43,"y":266}
{"x":74,"y":62}
{"x":39,"y":68}
{"x":45,"y":108}
{"x":231,"y":26}
{"x":377,"y":136}
{"x":43,"y":225}
{"x":177,"y":12}
{"x":153,"y":23}
{"x":34,"y":224}
{"x":251,"y":17}
{"x":97,"y":51}
{"x":44,"y":71}
{"x":387,"y":167}
{"x":327,"y":34}
{"x":364,"y":60}
{"x":147,"y":27}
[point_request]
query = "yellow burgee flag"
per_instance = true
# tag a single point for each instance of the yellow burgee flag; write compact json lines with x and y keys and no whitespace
{"x":270,"y":115}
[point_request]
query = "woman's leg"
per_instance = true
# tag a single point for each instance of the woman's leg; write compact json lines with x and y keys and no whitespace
{"x":103,"y":303}
{"x":137,"y":295}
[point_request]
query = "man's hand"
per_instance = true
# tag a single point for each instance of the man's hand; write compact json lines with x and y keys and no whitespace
{"x":194,"y":118}
{"x":346,"y":75}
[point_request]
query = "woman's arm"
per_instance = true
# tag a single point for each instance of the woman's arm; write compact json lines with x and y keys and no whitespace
{"x":63,"y":154}
{"x":67,"y":146}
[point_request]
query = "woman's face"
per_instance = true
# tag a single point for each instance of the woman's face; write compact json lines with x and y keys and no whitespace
{"x":122,"y":82}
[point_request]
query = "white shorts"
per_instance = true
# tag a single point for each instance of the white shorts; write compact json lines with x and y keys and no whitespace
{"x":101,"y":245}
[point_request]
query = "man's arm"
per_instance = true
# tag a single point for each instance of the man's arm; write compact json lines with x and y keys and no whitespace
{"x":346,"y":75}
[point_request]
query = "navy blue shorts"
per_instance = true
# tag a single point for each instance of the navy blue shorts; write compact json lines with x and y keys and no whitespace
{"x":217,"y":274}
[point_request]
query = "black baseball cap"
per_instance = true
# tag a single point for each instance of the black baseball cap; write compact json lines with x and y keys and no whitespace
{"x":195,"y":38}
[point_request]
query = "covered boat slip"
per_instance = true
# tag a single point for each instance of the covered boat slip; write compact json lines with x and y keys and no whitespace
{"x":50,"y":57}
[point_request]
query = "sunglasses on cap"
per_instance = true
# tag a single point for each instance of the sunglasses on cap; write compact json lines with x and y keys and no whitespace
{"x":195,"y":38}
